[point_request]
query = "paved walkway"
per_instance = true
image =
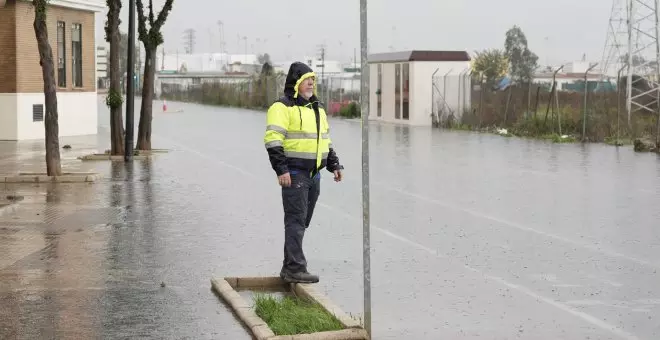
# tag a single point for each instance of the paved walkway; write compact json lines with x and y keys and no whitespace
{"x":474,"y":236}
{"x":86,"y":261}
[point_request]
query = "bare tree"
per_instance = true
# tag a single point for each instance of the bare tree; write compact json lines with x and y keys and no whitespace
{"x":151,"y":38}
{"x":114,"y":100}
{"x":53,"y":164}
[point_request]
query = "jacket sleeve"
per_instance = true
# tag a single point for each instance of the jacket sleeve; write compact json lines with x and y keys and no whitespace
{"x":333,"y":161}
{"x":277,"y":121}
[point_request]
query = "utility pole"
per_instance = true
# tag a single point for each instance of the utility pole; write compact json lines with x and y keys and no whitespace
{"x":245,"y":57}
{"x":221,"y":30}
{"x":364,"y":108}
{"x":130,"y":88}
{"x":189,"y":40}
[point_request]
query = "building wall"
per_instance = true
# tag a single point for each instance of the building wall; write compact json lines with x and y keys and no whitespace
{"x":30,"y":81}
{"x":8,"y":124}
{"x":75,"y":117}
{"x":7,"y":51}
{"x":21,"y":79}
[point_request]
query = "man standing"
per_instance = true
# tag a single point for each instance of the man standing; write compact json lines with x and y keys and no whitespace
{"x":299,"y":146}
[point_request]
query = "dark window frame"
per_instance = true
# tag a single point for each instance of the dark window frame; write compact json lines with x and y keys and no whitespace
{"x":61,"y":54}
{"x":77,"y":55}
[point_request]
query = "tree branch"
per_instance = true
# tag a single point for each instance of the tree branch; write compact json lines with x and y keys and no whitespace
{"x":151,"y":13}
{"x":142,"y":20}
{"x":162,"y":16}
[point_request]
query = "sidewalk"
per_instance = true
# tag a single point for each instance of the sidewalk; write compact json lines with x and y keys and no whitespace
{"x":88,"y":261}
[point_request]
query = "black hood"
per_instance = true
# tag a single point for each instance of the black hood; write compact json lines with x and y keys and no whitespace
{"x":296,"y":71}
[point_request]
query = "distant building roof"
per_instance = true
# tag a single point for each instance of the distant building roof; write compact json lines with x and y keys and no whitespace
{"x":417,"y":55}
{"x":568,"y":76}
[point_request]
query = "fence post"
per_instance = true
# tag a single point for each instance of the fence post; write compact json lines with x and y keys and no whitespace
{"x":586,"y":92}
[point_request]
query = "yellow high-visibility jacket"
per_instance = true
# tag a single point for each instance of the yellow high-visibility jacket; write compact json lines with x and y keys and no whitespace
{"x":297,"y":131}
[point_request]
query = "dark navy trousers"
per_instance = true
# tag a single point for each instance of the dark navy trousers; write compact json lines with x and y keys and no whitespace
{"x":298,"y":201}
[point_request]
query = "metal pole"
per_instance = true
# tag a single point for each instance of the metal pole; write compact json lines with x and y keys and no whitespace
{"x":130,"y":88}
{"x":630,"y":60}
{"x":364,"y":106}
{"x":657,"y":72}
{"x":586,"y":92}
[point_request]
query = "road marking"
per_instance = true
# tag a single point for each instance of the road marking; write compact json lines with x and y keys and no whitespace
{"x":475,"y":213}
{"x":561,"y":306}
{"x":591,"y":247}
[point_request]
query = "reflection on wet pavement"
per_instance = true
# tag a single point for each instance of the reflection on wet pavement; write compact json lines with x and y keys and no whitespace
{"x":475,"y":236}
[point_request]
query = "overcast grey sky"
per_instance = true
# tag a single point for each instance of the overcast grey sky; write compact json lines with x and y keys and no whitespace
{"x":558,"y":30}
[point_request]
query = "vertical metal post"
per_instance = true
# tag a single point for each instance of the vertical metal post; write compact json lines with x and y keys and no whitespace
{"x":130,"y":88}
{"x":657,"y":71}
{"x":364,"y":106}
{"x":631,"y":69}
{"x":586,"y":93}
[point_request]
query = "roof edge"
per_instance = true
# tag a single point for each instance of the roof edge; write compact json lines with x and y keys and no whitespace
{"x":420,"y":55}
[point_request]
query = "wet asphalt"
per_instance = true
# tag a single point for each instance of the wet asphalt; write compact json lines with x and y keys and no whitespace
{"x":473,"y":235}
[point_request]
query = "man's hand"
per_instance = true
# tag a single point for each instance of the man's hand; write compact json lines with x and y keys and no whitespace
{"x":338,"y":176}
{"x":284,"y":180}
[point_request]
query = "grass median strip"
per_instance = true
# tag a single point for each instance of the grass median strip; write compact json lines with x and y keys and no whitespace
{"x":291,"y":315}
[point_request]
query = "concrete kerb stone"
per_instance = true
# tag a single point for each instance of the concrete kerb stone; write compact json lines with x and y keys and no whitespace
{"x":140,"y":155}
{"x":107,"y":157}
{"x":345,"y":334}
{"x":36,"y":177}
{"x":308,"y":291}
{"x":227,"y":289}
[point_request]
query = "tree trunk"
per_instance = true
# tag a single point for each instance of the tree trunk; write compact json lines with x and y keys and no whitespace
{"x":114,"y":94}
{"x":53,"y":164}
{"x":146,"y":111}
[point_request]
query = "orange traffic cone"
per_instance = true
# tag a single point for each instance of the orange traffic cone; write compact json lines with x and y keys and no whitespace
{"x":164,"y":105}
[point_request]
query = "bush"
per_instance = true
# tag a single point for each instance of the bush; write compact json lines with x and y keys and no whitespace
{"x":350,"y":111}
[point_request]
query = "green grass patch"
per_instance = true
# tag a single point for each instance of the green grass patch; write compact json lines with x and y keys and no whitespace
{"x":291,"y":315}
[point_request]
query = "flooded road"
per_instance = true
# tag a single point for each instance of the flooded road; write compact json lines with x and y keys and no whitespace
{"x":474,"y":236}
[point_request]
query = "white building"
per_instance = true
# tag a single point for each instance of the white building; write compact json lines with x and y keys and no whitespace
{"x":71,"y":27}
{"x":572,"y":76}
{"x":401,"y":84}
{"x":209,"y":62}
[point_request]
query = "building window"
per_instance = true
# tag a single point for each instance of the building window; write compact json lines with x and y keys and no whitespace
{"x":76,"y":54}
{"x":406,"y":91}
{"x":61,"y":54}
{"x":397,"y":91}
{"x":379,"y":111}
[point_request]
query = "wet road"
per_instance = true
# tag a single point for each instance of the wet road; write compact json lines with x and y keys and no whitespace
{"x":474,"y":236}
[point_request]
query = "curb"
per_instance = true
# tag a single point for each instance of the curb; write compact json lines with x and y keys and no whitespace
{"x":141,"y":155}
{"x":227,"y":289}
{"x":67,"y":177}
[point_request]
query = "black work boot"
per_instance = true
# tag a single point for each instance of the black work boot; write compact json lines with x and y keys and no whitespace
{"x":299,"y":277}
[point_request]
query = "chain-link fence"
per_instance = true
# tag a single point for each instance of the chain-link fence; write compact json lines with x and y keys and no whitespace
{"x":594,"y":110}
{"x":597,"y":114}
{"x":338,"y":92}
{"x":451,"y":97}
{"x":250,"y":92}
